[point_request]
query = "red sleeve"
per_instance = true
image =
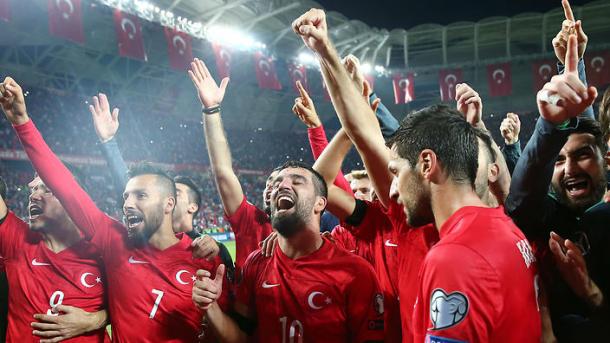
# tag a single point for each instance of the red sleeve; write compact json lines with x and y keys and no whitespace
{"x":460,"y":296}
{"x":364,"y":301}
{"x":318,"y":142}
{"x":12,"y":235}
{"x":251,"y":225}
{"x":247,"y":282}
{"x":57,"y":177}
{"x":375,"y":219}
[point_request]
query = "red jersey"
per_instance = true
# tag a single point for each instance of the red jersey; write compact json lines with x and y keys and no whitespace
{"x":251,"y":226}
{"x":414,"y":244}
{"x":149,"y":290}
{"x":40,"y":279}
{"x":330,"y":295}
{"x":377,"y":230}
{"x":478,"y":283}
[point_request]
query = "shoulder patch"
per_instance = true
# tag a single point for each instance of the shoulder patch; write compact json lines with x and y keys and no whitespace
{"x":447,"y":310}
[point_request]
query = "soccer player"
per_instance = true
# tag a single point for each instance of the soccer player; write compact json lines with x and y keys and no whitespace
{"x":250,"y":224}
{"x":188,"y":197}
{"x":478,"y":283}
{"x":308,"y":290}
{"x":150,"y":269}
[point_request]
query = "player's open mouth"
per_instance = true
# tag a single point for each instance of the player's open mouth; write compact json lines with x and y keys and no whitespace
{"x":284,"y":202}
{"x":35,"y":211}
{"x":133,"y":220}
{"x":576,"y":187}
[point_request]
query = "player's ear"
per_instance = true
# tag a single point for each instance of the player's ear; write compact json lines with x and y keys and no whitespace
{"x":320,"y":204}
{"x":427,"y":165}
{"x":192,"y":208}
{"x":170,"y":203}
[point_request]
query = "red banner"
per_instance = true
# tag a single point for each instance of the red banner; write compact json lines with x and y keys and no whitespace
{"x":298,"y":73}
{"x":447,"y":80}
{"x":598,"y":68}
{"x":65,"y":20}
{"x":499,"y":79}
{"x":265,"y":72}
{"x":129,"y":35}
{"x":5,"y":10}
{"x":179,"y":49}
{"x":223,"y":60}
{"x":403,"y":88}
{"x":542,"y":72}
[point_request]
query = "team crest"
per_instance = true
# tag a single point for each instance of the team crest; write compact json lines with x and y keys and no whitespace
{"x":447,"y":310}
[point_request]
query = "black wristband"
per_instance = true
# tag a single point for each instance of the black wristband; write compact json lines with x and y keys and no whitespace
{"x":211,"y":110}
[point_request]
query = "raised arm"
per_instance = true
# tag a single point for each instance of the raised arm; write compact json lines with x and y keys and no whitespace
{"x":510,"y":128}
{"x":54,"y":174}
{"x":559,"y":103}
{"x":106,"y":126}
{"x":306,"y":112}
{"x":211,"y":95}
{"x":356,"y":116}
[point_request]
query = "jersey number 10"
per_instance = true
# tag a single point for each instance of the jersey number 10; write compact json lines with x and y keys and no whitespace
{"x":292,"y":334}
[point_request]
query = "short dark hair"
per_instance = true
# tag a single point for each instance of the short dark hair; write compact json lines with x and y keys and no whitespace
{"x":444,"y":131}
{"x":163,"y":179}
{"x":193,"y":193}
{"x":3,"y":188}
{"x":488,"y":141}
{"x":593,"y":127}
{"x":318,"y":181}
{"x":604,"y":115}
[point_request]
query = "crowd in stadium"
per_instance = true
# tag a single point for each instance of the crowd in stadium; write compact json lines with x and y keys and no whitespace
{"x":456,"y":230}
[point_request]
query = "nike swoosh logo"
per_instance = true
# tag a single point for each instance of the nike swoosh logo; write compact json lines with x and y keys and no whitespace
{"x":36,"y":263}
{"x":134,"y":261}
{"x":390,"y":244}
{"x":266,"y":285}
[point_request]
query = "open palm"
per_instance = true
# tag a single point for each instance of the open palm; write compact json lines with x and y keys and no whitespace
{"x":209,"y":93}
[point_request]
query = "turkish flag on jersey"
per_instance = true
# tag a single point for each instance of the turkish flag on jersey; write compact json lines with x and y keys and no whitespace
{"x":223,"y":60}
{"x":542,"y":72}
{"x":499,"y":79}
{"x":129,"y":35}
{"x":179,"y":49}
{"x":265,"y":72}
{"x":447,"y":79}
{"x":5,"y":10}
{"x":65,"y":20}
{"x":297,"y":73}
{"x":403,"y":88}
{"x":598,"y":68}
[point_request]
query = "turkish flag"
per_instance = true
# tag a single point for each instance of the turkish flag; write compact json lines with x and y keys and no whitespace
{"x":542,"y":72}
{"x":65,"y":20}
{"x":297,"y":73}
{"x":179,"y":49}
{"x":598,"y":68}
{"x":129,"y":35}
{"x":223,"y":60}
{"x":5,"y":10}
{"x":403,"y":88}
{"x":499,"y":79}
{"x":447,"y":80}
{"x":265,"y":72}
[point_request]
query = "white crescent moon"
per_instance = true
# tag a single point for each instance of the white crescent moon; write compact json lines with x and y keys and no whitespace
{"x":70,"y":6}
{"x":450,"y":77}
{"x":83,"y":280}
{"x":266,"y":68}
{"x":310,"y":300}
{"x":403,"y":83}
{"x":178,"y":276}
{"x":182,"y":42}
{"x":128,"y":22}
{"x":498,"y":72}
{"x":601,"y":63}
{"x":542,"y":69}
{"x":225,"y":56}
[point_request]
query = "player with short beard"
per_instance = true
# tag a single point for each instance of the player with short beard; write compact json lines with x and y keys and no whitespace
{"x":150,"y":269}
{"x":308,"y":290}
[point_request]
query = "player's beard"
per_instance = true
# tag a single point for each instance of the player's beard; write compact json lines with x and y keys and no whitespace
{"x":598,"y":188}
{"x":289,"y":224}
{"x":417,"y":205}
{"x":152,"y":220}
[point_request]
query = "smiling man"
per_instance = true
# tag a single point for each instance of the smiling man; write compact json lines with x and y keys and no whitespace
{"x":308,"y":290}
